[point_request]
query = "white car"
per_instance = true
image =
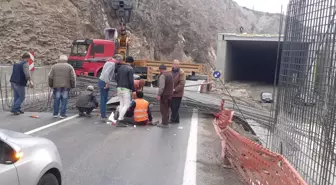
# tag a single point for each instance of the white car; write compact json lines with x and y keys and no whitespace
{"x":28,"y":160}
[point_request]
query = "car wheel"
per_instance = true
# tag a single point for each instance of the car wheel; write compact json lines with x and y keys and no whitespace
{"x":48,"y":179}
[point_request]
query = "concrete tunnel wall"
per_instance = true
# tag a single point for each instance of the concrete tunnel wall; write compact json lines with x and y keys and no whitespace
{"x":248,"y":59}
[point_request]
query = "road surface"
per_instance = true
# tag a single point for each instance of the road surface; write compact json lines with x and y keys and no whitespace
{"x":99,"y":154}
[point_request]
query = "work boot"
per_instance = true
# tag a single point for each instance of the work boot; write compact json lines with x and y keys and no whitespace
{"x":120,"y":123}
{"x":16,"y":113}
{"x":163,"y":125}
{"x":21,"y":112}
{"x":81,"y":114}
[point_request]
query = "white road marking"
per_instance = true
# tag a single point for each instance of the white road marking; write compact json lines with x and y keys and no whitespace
{"x":51,"y":124}
{"x":189,"y":176}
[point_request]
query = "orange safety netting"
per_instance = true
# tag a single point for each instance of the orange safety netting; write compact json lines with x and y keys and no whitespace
{"x":256,"y":164}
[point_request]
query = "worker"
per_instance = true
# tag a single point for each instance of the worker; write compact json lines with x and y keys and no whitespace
{"x":86,"y":101}
{"x":139,"y":112}
{"x":165,"y":94}
{"x":179,"y":79}
{"x":125,"y":86}
{"x":20,"y":78}
{"x":62,"y":78}
{"x":107,"y":75}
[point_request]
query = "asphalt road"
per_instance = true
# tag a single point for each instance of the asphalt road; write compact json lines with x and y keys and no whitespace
{"x":94,"y":153}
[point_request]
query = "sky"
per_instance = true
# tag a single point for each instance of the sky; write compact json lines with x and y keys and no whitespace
{"x":272,"y":6}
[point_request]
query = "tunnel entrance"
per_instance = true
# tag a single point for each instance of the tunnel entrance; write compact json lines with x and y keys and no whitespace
{"x":252,"y":61}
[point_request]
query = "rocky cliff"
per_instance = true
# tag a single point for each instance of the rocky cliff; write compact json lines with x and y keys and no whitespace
{"x":160,"y":29}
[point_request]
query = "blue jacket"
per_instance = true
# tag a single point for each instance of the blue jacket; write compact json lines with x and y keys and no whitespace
{"x":18,"y":75}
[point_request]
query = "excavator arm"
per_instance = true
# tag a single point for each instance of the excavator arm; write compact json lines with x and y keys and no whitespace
{"x":122,"y":10}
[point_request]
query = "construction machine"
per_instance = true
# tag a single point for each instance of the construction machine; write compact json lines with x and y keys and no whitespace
{"x":89,"y":55}
{"x":122,"y":10}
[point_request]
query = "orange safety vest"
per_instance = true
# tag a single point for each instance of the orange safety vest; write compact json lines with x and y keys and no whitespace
{"x":141,"y":110}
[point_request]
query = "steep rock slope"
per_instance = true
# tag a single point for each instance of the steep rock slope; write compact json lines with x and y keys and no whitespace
{"x":46,"y":26}
{"x":160,"y":29}
{"x":187,"y":29}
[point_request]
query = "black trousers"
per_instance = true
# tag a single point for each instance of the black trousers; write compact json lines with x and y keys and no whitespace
{"x":130,"y":120}
{"x":85,"y":110}
{"x":175,"y":106}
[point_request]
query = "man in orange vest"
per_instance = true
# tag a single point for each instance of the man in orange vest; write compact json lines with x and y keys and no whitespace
{"x":139,"y":112}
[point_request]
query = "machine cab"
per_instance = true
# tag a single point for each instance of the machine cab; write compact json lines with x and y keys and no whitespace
{"x":90,"y":50}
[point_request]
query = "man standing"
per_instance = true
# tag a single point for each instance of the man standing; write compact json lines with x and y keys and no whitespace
{"x":179,"y":82}
{"x":125,"y":85}
{"x":86,"y":101}
{"x":62,"y":78}
{"x":107,"y":75}
{"x":165,"y":93}
{"x":19,"y":78}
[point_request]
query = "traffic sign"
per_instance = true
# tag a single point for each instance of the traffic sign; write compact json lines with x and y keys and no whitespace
{"x":31,"y":61}
{"x":216,"y":74}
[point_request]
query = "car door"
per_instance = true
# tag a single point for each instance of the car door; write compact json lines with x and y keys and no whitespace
{"x":8,"y":173}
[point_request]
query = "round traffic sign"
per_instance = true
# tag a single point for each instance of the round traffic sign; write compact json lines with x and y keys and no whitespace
{"x":216,"y":74}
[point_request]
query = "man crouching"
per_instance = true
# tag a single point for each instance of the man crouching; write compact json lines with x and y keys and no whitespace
{"x":86,"y":101}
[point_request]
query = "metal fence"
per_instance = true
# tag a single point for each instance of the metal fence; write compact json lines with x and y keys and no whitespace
{"x":304,"y":127}
{"x":35,"y":97}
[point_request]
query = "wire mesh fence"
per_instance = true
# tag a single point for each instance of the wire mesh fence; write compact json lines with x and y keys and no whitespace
{"x":37,"y":99}
{"x":39,"y":93}
{"x":304,"y":126}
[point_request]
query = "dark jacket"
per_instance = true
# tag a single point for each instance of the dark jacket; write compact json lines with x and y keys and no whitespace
{"x":87,"y":99}
{"x":20,"y":75}
{"x":166,"y":84}
{"x":124,"y":76}
{"x":179,"y":80}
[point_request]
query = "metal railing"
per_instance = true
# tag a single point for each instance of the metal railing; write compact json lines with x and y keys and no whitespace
{"x":37,"y":96}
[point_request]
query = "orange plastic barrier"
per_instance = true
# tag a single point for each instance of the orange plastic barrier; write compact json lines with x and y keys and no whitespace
{"x":256,"y":164}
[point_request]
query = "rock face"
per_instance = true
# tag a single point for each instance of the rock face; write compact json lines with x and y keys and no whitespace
{"x":160,"y":29}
